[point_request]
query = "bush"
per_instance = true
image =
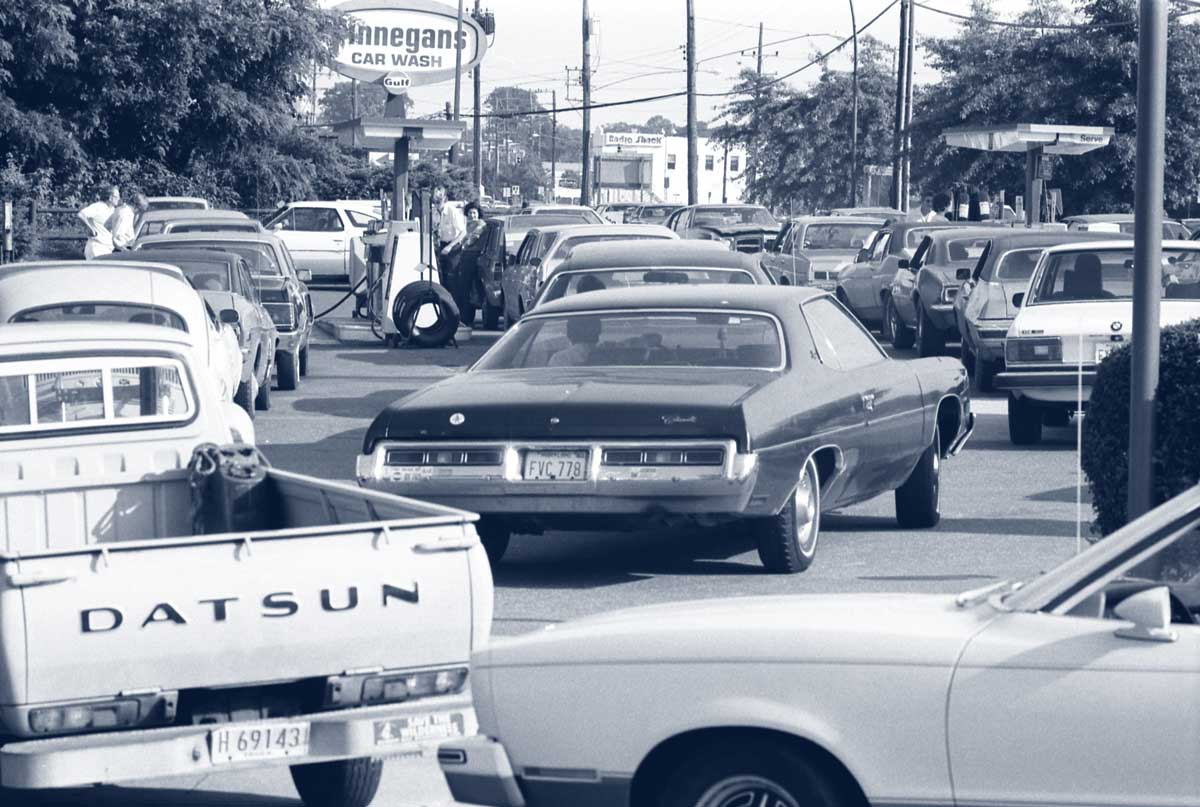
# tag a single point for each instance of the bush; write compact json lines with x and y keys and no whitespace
{"x":1177,"y":427}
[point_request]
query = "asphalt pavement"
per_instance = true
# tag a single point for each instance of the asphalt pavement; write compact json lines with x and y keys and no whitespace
{"x":1007,"y":513}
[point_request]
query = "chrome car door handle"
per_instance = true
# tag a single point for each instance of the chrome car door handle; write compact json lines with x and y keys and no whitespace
{"x":868,"y":400}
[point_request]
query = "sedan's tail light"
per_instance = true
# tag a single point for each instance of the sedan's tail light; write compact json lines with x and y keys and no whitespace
{"x":1023,"y":350}
{"x":663,"y":456}
{"x":413,"y":457}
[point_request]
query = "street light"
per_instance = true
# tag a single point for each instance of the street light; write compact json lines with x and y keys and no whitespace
{"x":854,"y":115}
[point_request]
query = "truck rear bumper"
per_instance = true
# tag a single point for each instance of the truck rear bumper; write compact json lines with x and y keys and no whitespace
{"x":185,"y":750}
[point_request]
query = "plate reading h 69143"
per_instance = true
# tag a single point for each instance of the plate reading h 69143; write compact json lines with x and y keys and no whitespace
{"x":556,"y":466}
{"x":258,"y":741}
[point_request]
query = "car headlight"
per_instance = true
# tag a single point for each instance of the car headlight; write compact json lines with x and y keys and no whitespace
{"x":1026,"y":350}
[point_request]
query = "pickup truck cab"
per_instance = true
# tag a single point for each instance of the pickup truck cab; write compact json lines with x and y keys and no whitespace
{"x":319,"y":234}
{"x":331,"y":628}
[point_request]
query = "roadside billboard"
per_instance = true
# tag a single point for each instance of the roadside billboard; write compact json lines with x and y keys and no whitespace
{"x":416,"y":38}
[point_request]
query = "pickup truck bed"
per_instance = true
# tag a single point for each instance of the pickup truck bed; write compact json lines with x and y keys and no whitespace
{"x":105,"y":595}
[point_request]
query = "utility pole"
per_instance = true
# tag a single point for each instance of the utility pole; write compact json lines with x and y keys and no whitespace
{"x":477,"y":133}
{"x":854,"y":115}
{"x":554,"y":145}
{"x":585,"y":184}
{"x":751,"y":161}
{"x":457,"y":76}
{"x":1147,"y":250}
{"x":906,"y":149}
{"x":898,"y":120}
{"x":692,"y":167}
{"x":725,"y":175}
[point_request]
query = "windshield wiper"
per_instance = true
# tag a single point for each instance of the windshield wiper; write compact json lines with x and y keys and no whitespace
{"x":968,"y":599}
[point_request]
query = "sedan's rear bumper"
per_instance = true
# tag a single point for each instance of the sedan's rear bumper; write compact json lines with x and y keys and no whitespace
{"x":942,"y":316}
{"x":1048,"y":386}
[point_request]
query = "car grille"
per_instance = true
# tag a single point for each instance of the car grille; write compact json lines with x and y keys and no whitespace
{"x":750,"y":243}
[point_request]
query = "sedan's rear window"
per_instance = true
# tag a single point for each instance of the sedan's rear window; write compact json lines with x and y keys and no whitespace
{"x":85,"y":392}
{"x":640,"y":339}
{"x":1087,"y":276}
{"x":103,"y":312}
{"x":837,"y":236}
{"x":206,"y":275}
{"x":564,"y":285}
{"x":965,"y":249}
{"x":259,"y":257}
{"x":521,"y":224}
{"x":570,"y":244}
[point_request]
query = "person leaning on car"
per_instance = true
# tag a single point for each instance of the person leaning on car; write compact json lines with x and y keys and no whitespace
{"x":125,"y":220}
{"x":97,"y":218}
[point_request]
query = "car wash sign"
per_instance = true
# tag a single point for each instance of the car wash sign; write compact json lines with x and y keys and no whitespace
{"x":418,"y":39}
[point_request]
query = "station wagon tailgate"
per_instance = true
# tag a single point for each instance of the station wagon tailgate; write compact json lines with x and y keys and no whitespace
{"x":222,"y":610}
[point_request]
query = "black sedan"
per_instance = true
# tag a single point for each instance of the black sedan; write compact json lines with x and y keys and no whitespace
{"x":759,"y":406}
{"x":630,"y":264}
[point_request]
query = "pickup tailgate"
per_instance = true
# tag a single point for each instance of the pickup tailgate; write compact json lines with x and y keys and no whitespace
{"x":216,"y":611}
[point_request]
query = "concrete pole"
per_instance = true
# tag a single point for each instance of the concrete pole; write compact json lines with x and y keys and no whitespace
{"x":906,"y":148}
{"x":585,"y":175}
{"x":477,"y":133}
{"x":693,"y":167}
{"x":854,"y":115}
{"x":1033,"y":186}
{"x":1147,"y":248}
{"x":400,"y":179}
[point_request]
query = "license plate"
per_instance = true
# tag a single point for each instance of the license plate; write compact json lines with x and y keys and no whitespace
{"x":1102,"y":351}
{"x":419,"y":728}
{"x":556,"y":466}
{"x":258,"y":741}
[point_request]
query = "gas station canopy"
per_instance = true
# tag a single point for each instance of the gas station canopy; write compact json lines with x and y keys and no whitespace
{"x":1020,"y":137}
{"x":381,"y":134}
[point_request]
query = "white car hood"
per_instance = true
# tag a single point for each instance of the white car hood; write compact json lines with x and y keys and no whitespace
{"x":870,"y":628}
{"x":1100,"y":317}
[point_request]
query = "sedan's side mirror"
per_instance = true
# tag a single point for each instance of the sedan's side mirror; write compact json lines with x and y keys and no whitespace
{"x":962,"y":274}
{"x":277,"y":226}
{"x":230,"y":316}
{"x":1018,"y":298}
{"x":1150,"y":613}
{"x":305,"y":275}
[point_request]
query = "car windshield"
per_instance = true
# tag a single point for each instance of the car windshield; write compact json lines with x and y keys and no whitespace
{"x":235,"y":226}
{"x":519,"y":225}
{"x":654,"y":213}
{"x":260,"y":257}
{"x":360,"y":219}
{"x":733,"y":215}
{"x":102,"y":312}
{"x":569,"y":245}
{"x":85,"y":392}
{"x":640,"y":339}
{"x":568,"y":283}
{"x":965,"y":249}
{"x":1018,"y":264}
{"x":1170,"y":229}
{"x":837,"y":236}
{"x":1108,"y":275}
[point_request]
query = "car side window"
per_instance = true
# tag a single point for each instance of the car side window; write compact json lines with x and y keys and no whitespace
{"x":316,"y":220}
{"x":285,"y":220}
{"x":248,"y":287}
{"x":881,"y":246}
{"x":526,"y":246}
{"x":784,"y":244}
{"x":841,"y":341}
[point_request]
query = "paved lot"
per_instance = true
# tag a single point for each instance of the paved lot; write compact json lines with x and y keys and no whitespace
{"x":1006,"y":512}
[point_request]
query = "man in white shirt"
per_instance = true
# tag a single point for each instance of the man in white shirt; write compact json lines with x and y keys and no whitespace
{"x":451,"y":224}
{"x":125,"y":221}
{"x":96,"y":217}
{"x":927,"y":207}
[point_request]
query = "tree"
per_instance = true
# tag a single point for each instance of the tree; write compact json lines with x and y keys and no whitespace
{"x":338,"y":102}
{"x":1085,"y":76}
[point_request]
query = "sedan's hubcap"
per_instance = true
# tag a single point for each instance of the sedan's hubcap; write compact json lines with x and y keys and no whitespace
{"x":746,"y":791}
{"x":806,"y":513}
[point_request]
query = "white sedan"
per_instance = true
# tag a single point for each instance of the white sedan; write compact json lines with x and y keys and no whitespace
{"x":1080,"y":687}
{"x":1077,"y":309}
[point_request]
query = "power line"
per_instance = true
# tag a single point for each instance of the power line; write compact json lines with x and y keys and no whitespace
{"x":1042,"y":26}
{"x":681,"y":93}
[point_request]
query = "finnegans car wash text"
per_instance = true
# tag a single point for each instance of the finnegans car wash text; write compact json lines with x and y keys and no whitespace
{"x":413,"y":40}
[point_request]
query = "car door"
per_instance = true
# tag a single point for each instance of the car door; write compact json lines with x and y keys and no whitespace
{"x":250,"y":315}
{"x":1059,"y":709}
{"x":773,"y":261}
{"x":904,"y":281}
{"x":859,"y":283}
{"x":889,"y":391}
{"x":511,"y":284}
{"x":964,"y":308}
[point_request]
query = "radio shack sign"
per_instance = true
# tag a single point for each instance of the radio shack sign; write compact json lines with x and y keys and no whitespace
{"x":633,"y":139}
{"x":418,"y":39}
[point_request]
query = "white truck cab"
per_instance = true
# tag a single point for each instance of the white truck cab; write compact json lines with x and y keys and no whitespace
{"x":330,"y":628}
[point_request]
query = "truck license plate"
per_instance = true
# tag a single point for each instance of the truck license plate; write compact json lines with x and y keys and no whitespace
{"x":556,"y":466}
{"x":419,"y":728}
{"x":258,"y":741}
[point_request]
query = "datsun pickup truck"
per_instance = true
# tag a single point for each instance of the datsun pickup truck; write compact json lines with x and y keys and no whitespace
{"x":133,"y":646}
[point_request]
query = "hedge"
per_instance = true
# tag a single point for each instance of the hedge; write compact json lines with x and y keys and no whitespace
{"x":1177,"y":429}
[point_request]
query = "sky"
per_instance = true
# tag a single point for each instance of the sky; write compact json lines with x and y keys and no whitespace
{"x":637,"y":48}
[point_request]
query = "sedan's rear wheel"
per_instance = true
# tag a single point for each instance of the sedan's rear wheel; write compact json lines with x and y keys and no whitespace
{"x":1024,"y":421}
{"x":918,"y":500}
{"x":750,"y":774}
{"x":495,"y":536}
{"x":287,"y":369}
{"x":930,"y":340}
{"x":342,"y":783}
{"x":787,"y":541}
{"x":885,"y":321}
{"x":902,"y":335}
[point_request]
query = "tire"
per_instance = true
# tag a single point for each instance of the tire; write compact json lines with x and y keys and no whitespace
{"x":749,"y":773}
{"x":1056,"y":418}
{"x":930,"y":340}
{"x":885,"y":324}
{"x":287,"y":370}
{"x":787,"y":541}
{"x":304,"y":360}
{"x":344,"y":783}
{"x":491,"y":317}
{"x":918,"y":499}
{"x":409,"y":303}
{"x":494,"y":535}
{"x":902,"y":335}
{"x":262,"y":401}
{"x":246,"y":393}
{"x":1024,"y":422}
{"x":985,"y":374}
